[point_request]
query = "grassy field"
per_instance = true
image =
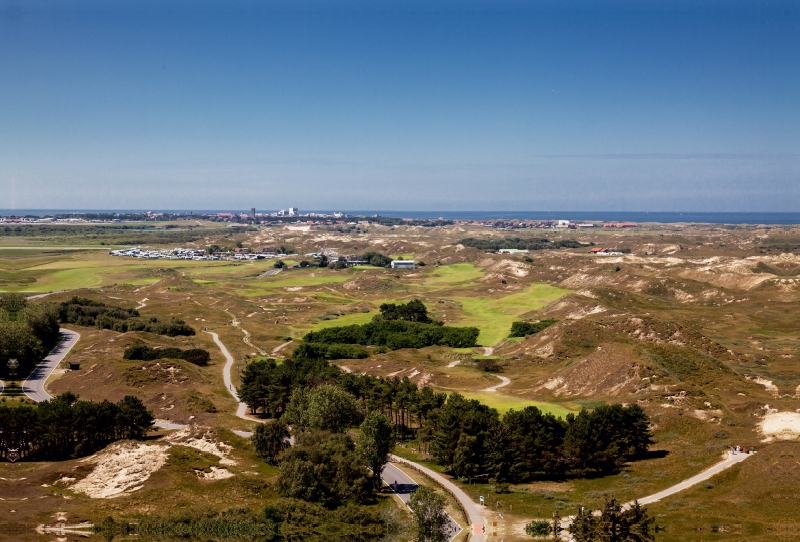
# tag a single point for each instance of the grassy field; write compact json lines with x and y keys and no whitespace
{"x":503,"y":403}
{"x":494,"y":316}
{"x":454,"y":274}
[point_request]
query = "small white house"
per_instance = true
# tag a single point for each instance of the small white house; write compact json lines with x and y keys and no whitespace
{"x":403,"y":264}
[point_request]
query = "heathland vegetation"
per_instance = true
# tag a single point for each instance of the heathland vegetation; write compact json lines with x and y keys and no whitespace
{"x":85,"y":312}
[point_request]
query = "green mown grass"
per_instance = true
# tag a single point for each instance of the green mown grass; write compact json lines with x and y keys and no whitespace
{"x":495,"y":316}
{"x":454,"y":273}
{"x":503,"y":403}
{"x":345,"y":320}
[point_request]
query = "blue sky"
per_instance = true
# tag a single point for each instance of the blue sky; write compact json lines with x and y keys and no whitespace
{"x":635,"y":106}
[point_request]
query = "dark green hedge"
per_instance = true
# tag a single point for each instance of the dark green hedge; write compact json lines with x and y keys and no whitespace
{"x":396,"y":334}
{"x":523,"y":329}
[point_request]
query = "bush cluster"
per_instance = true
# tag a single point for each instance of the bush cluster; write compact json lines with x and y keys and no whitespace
{"x":331,"y":351}
{"x":86,"y":312}
{"x":520,"y":244}
{"x":523,"y":329}
{"x":396,"y":334}
{"x":198,"y":356}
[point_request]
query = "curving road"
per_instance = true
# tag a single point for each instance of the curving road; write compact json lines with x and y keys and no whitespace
{"x":404,"y":486}
{"x":474,"y":510}
{"x":34,"y":384}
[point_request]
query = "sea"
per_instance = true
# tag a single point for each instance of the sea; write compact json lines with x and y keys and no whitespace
{"x":576,"y":216}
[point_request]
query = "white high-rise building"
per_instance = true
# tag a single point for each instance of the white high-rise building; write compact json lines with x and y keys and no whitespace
{"x":293,"y":211}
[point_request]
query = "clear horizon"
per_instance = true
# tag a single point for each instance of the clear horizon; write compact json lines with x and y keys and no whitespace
{"x":435,"y":106}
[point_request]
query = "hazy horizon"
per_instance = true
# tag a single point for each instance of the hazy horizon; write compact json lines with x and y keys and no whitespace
{"x":437,"y":106}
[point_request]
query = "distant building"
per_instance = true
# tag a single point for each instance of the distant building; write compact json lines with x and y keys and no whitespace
{"x":252,"y":212}
{"x":294,"y":211}
{"x":403,"y":264}
{"x":513,"y":251}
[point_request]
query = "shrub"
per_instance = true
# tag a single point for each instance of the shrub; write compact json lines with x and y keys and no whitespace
{"x":523,"y":329}
{"x":489,"y":365}
{"x":197,"y":356}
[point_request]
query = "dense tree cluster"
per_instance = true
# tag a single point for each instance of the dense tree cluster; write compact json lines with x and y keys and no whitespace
{"x":66,"y":427}
{"x":523,"y":329}
{"x":331,"y":351}
{"x":27,"y":332}
{"x":413,"y":311}
{"x":377,"y":259}
{"x":531,"y":243}
{"x":266,"y":386}
{"x":396,"y":334}
{"x":324,"y":467}
{"x":198,"y":356}
{"x":86,"y":312}
{"x":471,"y":440}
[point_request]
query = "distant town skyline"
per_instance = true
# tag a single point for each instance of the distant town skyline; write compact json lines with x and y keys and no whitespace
{"x":430,"y":106}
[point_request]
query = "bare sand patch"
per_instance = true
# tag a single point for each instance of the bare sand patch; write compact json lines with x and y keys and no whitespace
{"x":780,"y":426}
{"x":204,"y":443}
{"x":215,"y":474}
{"x":121,"y":468}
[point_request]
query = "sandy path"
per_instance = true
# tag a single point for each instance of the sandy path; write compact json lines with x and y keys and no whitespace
{"x":279,"y":348}
{"x":454,"y":363}
{"x":488,"y":350}
{"x":142,"y":304}
{"x":246,"y":339}
{"x":505,"y":382}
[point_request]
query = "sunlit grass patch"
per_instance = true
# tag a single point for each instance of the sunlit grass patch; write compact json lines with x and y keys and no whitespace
{"x":454,"y":273}
{"x":503,"y":403}
{"x":494,"y":316}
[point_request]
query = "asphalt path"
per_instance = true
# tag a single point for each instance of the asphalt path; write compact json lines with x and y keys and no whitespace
{"x":226,"y":378}
{"x":729,"y":461}
{"x":474,"y":510}
{"x":34,"y":384}
{"x":404,"y":486}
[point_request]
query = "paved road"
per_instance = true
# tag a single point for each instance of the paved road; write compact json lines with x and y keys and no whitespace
{"x":226,"y":378}
{"x":728,"y":462}
{"x":505,"y":382}
{"x":404,"y":486}
{"x":474,"y":510}
{"x":34,"y":384}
